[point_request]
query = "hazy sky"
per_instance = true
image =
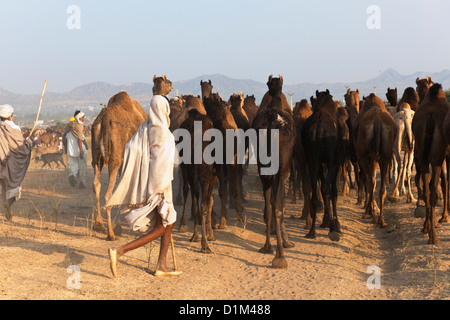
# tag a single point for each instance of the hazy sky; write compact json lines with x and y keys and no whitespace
{"x":130,"y":41}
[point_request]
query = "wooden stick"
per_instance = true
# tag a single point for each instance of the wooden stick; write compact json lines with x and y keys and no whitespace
{"x":173,"y":253}
{"x":39,"y":109}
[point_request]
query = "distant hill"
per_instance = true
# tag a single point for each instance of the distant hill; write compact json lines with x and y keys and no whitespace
{"x":89,"y":97}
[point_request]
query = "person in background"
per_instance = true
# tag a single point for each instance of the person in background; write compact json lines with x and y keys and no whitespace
{"x":77,"y":151}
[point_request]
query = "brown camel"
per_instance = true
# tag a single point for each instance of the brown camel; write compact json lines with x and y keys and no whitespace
{"x":274,"y":116}
{"x":431,"y":150}
{"x":375,"y":129}
{"x":223,"y":120}
{"x":411,"y":97}
{"x":206,"y":87}
{"x":267,"y":98}
{"x":422,"y":87}
{"x":250,"y":108}
{"x":112,"y":129}
{"x":200,"y":179}
{"x":353,"y":104}
{"x":323,"y":150}
{"x":301,"y":112}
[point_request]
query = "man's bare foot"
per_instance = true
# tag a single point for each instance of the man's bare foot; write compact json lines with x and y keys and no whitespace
{"x":160,"y":273}
{"x":113,"y":261}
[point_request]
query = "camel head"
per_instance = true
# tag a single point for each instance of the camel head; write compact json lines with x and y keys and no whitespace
{"x":422,"y":87}
{"x":391,"y":96}
{"x":275,"y":85}
{"x":352,"y":100}
{"x":162,"y":85}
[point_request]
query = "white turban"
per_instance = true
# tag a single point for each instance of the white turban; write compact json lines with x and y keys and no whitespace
{"x":79,"y":116}
{"x":6,"y":111}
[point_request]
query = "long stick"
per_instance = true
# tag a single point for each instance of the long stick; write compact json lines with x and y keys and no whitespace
{"x":173,"y":253}
{"x":39,"y":110}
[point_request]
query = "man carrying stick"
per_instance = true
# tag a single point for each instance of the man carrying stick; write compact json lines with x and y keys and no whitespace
{"x":145,"y":188}
{"x":15,"y":153}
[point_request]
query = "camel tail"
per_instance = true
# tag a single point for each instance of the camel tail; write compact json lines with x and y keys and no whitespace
{"x":105,"y":146}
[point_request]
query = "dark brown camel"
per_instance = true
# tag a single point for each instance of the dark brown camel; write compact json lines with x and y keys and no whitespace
{"x":274,"y":116}
{"x":342,"y":118}
{"x":375,"y":129}
{"x":250,"y":108}
{"x":112,"y":129}
{"x":324,"y":157}
{"x":411,"y":97}
{"x":223,"y":120}
{"x":392,"y":97}
{"x":353,"y":104}
{"x":431,"y":150}
{"x":242,"y":122}
{"x":301,"y":112}
{"x":200,"y":179}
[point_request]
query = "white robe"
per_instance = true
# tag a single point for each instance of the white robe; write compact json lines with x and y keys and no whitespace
{"x":147,"y":171}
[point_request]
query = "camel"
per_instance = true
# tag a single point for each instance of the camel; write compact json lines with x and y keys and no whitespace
{"x":223,"y":120}
{"x":274,"y":116}
{"x":353,"y":104}
{"x":422,"y":87}
{"x":206,"y":87}
{"x":301,"y":112}
{"x":391,"y":95}
{"x":431,"y":150}
{"x":323,"y":149}
{"x":250,"y":108}
{"x":112,"y":129}
{"x":267,"y":98}
{"x":196,"y":178}
{"x":242,"y":122}
{"x":411,"y":97}
{"x":375,"y":134}
{"x":404,"y":141}
{"x":342,"y":118}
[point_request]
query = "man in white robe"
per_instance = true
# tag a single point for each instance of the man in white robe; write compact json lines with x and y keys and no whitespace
{"x":15,"y":154}
{"x":77,"y":151}
{"x":145,"y":188}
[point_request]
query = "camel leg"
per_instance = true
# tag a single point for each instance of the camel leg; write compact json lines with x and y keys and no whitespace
{"x":111,"y":184}
{"x":98,"y":225}
{"x":194,"y":210}
{"x":398,"y":178}
{"x":279,"y":262}
{"x":432,"y":195}
{"x":267,"y":190}
{"x":183,"y":226}
{"x":314,"y":201}
{"x":382,"y":194}
{"x":410,"y":159}
{"x":223,"y":197}
{"x":445,"y":181}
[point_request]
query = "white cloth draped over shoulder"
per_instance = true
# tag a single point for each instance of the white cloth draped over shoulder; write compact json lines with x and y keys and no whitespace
{"x":147,"y":172}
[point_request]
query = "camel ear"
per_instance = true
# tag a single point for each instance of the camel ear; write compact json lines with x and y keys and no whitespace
{"x":317,"y":93}
{"x":357,"y":91}
{"x":328,"y":91}
{"x":201,"y":82}
{"x":154,"y":77}
{"x":281,"y":78}
{"x":417,"y":80}
{"x":348,"y":90}
{"x":209,"y":81}
{"x":270,"y":77}
{"x":164,"y":77}
{"x":389,"y":88}
{"x":428,"y":79}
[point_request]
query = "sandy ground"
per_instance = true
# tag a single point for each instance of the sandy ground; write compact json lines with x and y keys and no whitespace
{"x":50,"y":238}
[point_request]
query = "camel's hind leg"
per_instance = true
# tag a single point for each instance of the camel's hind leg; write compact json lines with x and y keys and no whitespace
{"x":98,"y":225}
{"x":111,"y":184}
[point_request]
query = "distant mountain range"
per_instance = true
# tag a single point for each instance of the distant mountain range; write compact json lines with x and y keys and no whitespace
{"x":92,"y":95}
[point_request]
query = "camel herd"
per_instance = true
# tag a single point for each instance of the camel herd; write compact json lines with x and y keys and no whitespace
{"x":321,"y":145}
